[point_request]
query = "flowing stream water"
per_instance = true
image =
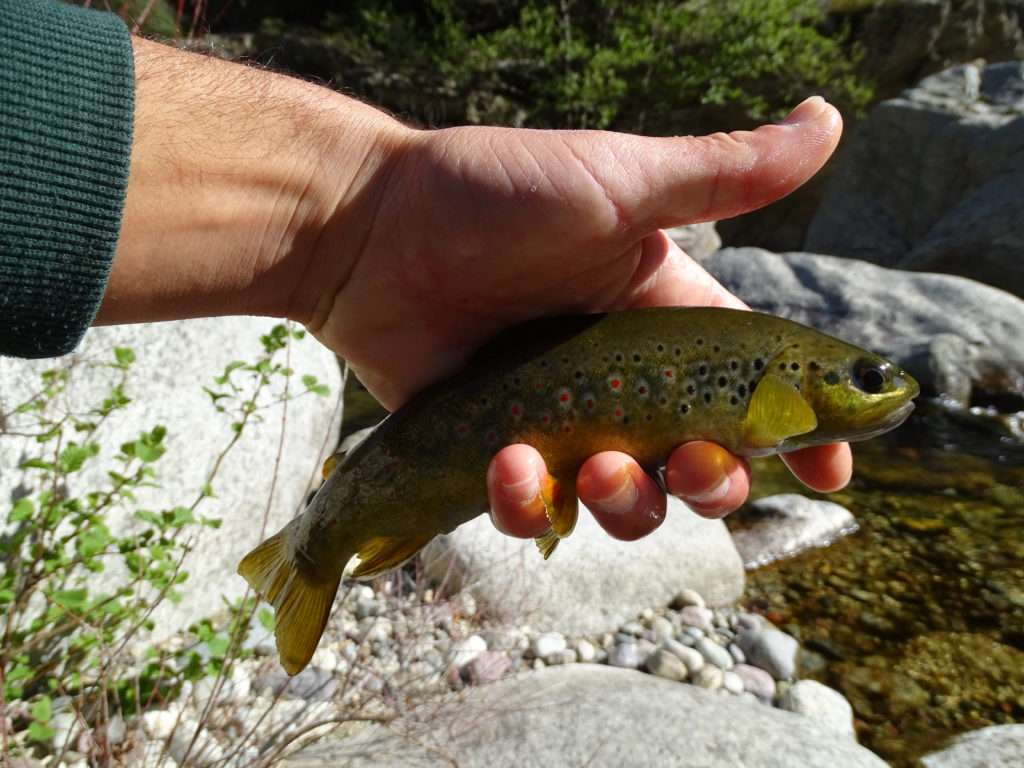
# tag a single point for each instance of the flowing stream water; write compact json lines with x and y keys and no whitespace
{"x":918,"y":617}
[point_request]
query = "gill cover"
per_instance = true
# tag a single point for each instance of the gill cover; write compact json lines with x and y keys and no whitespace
{"x":777,"y":411}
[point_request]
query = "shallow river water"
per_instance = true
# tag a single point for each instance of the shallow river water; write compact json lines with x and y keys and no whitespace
{"x":918,"y":617}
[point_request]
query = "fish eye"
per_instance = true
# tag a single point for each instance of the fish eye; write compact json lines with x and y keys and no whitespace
{"x":871,"y":377}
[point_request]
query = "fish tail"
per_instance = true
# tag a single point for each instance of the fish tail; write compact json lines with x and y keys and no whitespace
{"x":301,"y":604}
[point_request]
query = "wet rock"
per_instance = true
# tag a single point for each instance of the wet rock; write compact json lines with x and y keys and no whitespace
{"x":528,"y":715}
{"x":998,"y":746}
{"x":772,"y":650}
{"x":503,"y":573}
{"x":896,"y":314}
{"x":820,"y":703}
{"x":781,"y":526}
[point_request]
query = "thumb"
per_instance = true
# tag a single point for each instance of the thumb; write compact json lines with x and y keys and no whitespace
{"x":667,"y":182}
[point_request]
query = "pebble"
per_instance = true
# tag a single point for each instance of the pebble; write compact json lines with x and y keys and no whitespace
{"x":756,"y":681}
{"x":732,"y":683}
{"x":661,"y":628}
{"x":548,"y":643}
{"x":709,"y":677}
{"x":695,"y":632}
{"x":695,"y":616}
{"x":487,"y":667}
{"x":634,"y":628}
{"x":564,"y":656}
{"x":685,"y":639}
{"x":714,"y":653}
{"x":159,"y":723}
{"x":689,"y":656}
{"x":822,"y":704}
{"x":311,"y":684}
{"x":737,"y":653}
{"x":687,"y":597}
{"x":664,"y":663}
{"x":772,"y":650}
{"x":749,"y":621}
{"x":585,"y":651}
{"x":326,"y":659}
{"x":116,"y":730}
{"x":464,"y":651}
{"x":626,"y":655}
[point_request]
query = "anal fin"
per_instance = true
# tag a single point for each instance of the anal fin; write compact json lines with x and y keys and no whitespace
{"x":562,"y":511}
{"x":383,"y":553}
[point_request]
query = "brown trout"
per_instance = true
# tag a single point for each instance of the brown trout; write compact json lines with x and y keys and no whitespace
{"x":639,"y":381}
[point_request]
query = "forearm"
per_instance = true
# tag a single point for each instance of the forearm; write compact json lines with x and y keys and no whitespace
{"x":235,"y":173}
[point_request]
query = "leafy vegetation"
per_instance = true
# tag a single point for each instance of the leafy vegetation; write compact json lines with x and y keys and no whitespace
{"x":70,"y":636}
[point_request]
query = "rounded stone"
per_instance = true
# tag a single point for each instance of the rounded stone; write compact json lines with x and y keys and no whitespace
{"x":661,"y":628}
{"x":664,"y":663}
{"x":770,"y":649}
{"x":585,"y":651}
{"x":714,"y":653}
{"x":689,"y":656}
{"x":687,"y":597}
{"x":625,"y":655}
{"x":564,"y":656}
{"x":709,"y":677}
{"x":732,"y":683}
{"x":825,"y":706}
{"x":464,"y":651}
{"x":695,"y":616}
{"x":548,"y":643}
{"x":756,"y":681}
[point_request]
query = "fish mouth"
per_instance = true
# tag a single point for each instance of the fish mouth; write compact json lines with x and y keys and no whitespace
{"x":891,"y":421}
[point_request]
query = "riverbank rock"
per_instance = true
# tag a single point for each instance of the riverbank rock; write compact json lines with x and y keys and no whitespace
{"x":827,"y":707}
{"x":561,"y":716}
{"x":955,"y":336}
{"x":592,"y":583}
{"x":698,"y":240}
{"x":174,"y":361}
{"x":998,"y":746}
{"x":932,"y":179}
{"x":781,"y":526}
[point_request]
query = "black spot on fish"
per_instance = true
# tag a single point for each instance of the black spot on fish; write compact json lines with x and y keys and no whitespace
{"x":625,"y":419}
{"x":734,"y":365}
{"x":484,"y":402}
{"x":702,"y":370}
{"x":795,"y":366}
{"x":618,"y":357}
{"x":684,"y":408}
{"x":831,"y":377}
{"x":716,"y":349}
{"x":815,"y":366}
{"x":660,"y":347}
{"x":636,"y":358}
{"x":565,"y":360}
{"x":678,"y":351}
{"x":758,"y":364}
{"x":742,"y":391}
{"x":734,"y":400}
{"x":578,"y":374}
{"x":707,"y":397}
{"x":649,"y":417}
{"x":782,"y":366}
{"x":700,"y":342}
{"x":691,"y":390}
{"x":722,"y":381}
{"x":663,"y":400}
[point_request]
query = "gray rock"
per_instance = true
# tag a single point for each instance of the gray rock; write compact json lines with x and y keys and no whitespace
{"x":732,"y":683}
{"x":713,"y":653}
{"x":585,"y":651}
{"x":661,"y":628}
{"x":756,"y":681}
{"x":464,"y":651}
{"x":561,"y":716}
{"x":547,"y":643}
{"x":564,"y":656}
{"x":311,"y":684}
{"x":931,"y":180}
{"x":689,"y":656}
{"x":953,"y":335}
{"x":737,"y":653}
{"x":776,"y":527}
{"x":825,"y":706}
{"x":509,"y":578}
{"x":687,"y":597}
{"x":625,"y":655}
{"x":770,"y":649}
{"x":174,"y":361}
{"x":998,"y":746}
{"x":666,"y":664}
{"x":695,"y":616}
{"x":697,"y":240}
{"x":709,"y":677}
{"x":487,"y":667}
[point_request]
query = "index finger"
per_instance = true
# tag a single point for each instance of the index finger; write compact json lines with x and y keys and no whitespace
{"x":823,"y":468}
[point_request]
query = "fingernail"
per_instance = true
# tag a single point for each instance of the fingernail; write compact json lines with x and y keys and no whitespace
{"x":717,"y":493}
{"x":806,"y":110}
{"x":622,"y":500}
{"x":522,"y":492}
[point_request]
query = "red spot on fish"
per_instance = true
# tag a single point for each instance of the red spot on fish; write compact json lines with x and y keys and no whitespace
{"x":567,"y":428}
{"x":461,"y":429}
{"x":590,"y":403}
{"x":615,"y":383}
{"x":564,"y":397}
{"x":668,"y":373}
{"x":618,"y":413}
{"x":642,"y":389}
{"x":545,"y":419}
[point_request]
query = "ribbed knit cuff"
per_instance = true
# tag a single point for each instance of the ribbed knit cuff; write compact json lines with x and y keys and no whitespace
{"x":66,"y":109}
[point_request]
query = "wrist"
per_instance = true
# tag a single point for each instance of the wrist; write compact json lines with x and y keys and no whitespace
{"x":235,"y":174}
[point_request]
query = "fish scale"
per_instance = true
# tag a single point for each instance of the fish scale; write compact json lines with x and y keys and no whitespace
{"x":639,"y":381}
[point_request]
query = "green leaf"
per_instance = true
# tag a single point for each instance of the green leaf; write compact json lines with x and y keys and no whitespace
{"x":36,"y":464}
{"x":266,"y":618}
{"x":39,"y":732}
{"x":74,"y":456}
{"x":309,"y":381}
{"x":218,"y":646}
{"x":124,"y":355}
{"x":182,"y":516}
{"x":43,"y":709}
{"x":72,"y":599}
{"x":22,"y":510}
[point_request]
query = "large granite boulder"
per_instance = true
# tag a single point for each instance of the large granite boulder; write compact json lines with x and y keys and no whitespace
{"x":268,"y":472}
{"x":998,"y":746}
{"x":932,"y":180}
{"x":584,"y":714}
{"x":593,"y":583}
{"x":956,"y":336}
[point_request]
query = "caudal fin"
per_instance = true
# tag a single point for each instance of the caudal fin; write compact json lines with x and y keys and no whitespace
{"x":301,"y":605}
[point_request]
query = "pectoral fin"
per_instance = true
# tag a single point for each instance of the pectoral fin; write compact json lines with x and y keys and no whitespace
{"x":777,"y":411}
{"x":383,"y":553}
{"x":562,"y":510}
{"x":332,"y":461}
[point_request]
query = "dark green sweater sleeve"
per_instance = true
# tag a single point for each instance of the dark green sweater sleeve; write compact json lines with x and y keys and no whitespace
{"x":66,"y":108}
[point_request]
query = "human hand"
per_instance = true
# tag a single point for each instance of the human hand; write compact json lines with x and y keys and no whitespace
{"x":476,"y":229}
